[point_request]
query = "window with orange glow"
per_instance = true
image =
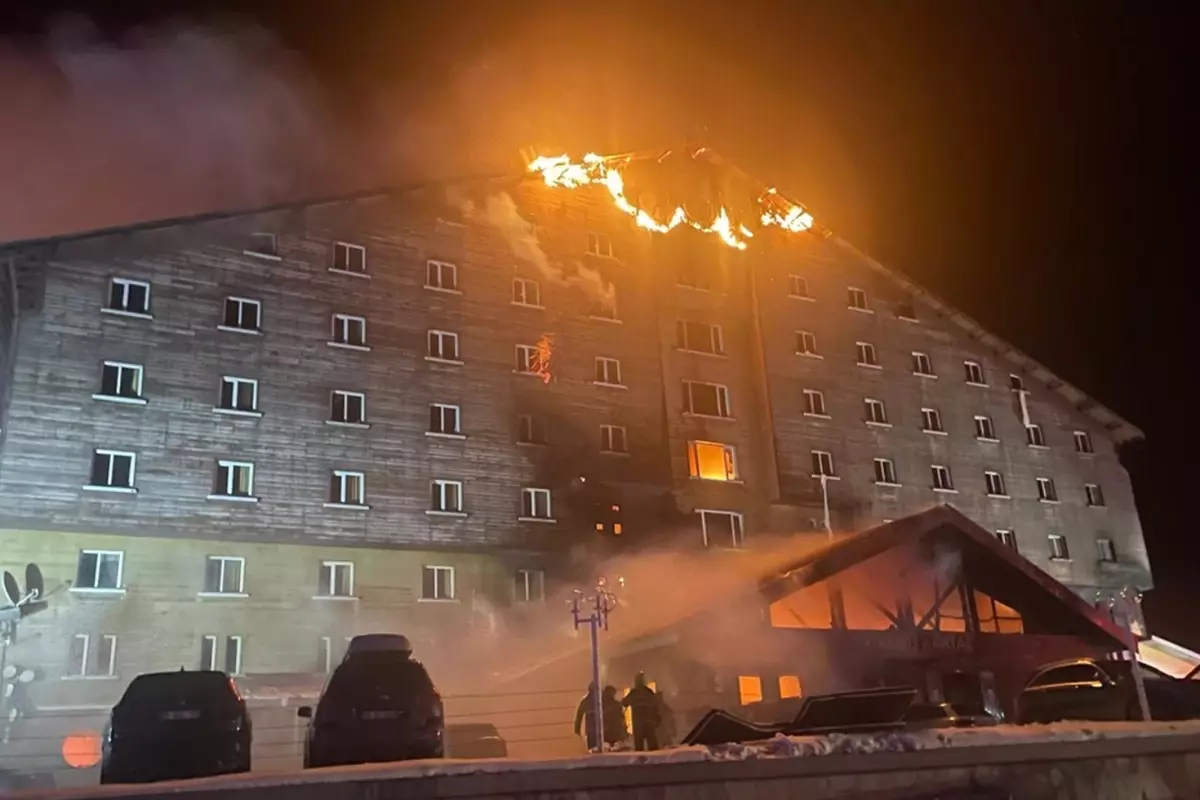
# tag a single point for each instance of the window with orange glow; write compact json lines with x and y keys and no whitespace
{"x":712,"y":462}
{"x":789,"y":686}
{"x":749,"y":689}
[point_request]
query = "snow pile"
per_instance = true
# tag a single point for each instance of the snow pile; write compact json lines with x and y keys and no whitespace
{"x":833,"y":744}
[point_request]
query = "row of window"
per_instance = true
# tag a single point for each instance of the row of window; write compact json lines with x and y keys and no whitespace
{"x":856,"y":298}
{"x":1106,"y":551}
{"x":942,"y":481}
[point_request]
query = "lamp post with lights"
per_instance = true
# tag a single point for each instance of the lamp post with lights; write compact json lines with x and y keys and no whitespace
{"x":1123,"y":606}
{"x":593,"y":611}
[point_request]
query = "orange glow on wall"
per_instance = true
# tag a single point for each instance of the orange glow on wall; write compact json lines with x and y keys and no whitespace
{"x":789,"y":686}
{"x":81,"y":749}
{"x":749,"y":689}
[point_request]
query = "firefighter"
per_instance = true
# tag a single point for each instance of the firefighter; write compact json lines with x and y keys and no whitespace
{"x":585,"y":715}
{"x":615,"y":732}
{"x":645,"y":707}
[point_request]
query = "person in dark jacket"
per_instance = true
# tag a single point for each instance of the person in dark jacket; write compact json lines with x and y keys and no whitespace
{"x":585,"y":716}
{"x":646,"y":708}
{"x":615,"y":731}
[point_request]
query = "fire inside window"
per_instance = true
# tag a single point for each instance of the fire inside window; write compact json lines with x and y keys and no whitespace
{"x":539,"y":362}
{"x":712,"y":462}
{"x":610,"y":521}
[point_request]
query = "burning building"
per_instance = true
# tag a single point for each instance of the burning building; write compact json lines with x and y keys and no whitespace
{"x":236,"y":440}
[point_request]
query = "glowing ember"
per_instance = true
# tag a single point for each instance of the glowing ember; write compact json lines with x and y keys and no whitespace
{"x":560,"y":171}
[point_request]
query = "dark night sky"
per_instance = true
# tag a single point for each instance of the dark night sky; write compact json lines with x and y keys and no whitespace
{"x":1024,"y":160}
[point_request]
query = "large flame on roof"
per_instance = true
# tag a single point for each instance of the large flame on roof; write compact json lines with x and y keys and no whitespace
{"x":561,"y":171}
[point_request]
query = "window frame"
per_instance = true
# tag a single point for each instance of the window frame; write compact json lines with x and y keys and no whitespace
{"x":440,"y":410}
{"x":524,"y":284}
{"x":1094,"y":494}
{"x":593,"y":248}
{"x":818,"y":459}
{"x":607,"y":439}
{"x":985,"y":429}
{"x":1083,"y":443}
{"x":528,"y":578}
{"x":349,"y":248}
{"x":885,"y":471}
{"x":970,"y":369}
{"x":346,"y":396}
{"x":737,"y":528}
{"x":994,"y":483}
{"x":809,"y":406}
{"x":1106,"y":550}
{"x":271,"y":253}
{"x":438,"y":570}
{"x":1035,"y":436}
{"x":126,"y":284}
{"x":606,"y":362}
{"x":213,"y":643}
{"x":340,"y":327}
{"x":241,"y":303}
{"x":684,"y":343}
{"x":441,"y":337}
{"x":220,"y":591}
{"x":1047,"y":491}
{"x":932,"y":414}
{"x":100,"y":554}
{"x":1058,"y":543}
{"x":866,"y":356}
{"x":330,"y":569}
{"x":802,"y":344}
{"x":434,"y":265}
{"x":529,"y":504}
{"x":236,"y":382}
{"x":231,"y":466}
{"x":937,"y":473}
{"x":531,"y":430}
{"x":138,"y":370}
{"x":793,"y":278}
{"x":441,"y":506}
{"x":723,"y":402}
{"x":922,"y":364}
{"x":856,"y":300}
{"x":729,"y":458}
{"x":875,"y":413}
{"x":1008,"y":538}
{"x":344,"y":479}
{"x":238,"y":655}
{"x":112,"y":455}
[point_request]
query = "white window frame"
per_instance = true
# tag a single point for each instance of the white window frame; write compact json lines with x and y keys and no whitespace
{"x":346,"y":395}
{"x":526,"y":357}
{"x":433,"y":267}
{"x":520,"y":296}
{"x":441,"y":410}
{"x":441,"y":337}
{"x":325,"y":653}
{"x":1056,"y":539}
{"x":120,"y":587}
{"x":533,"y":586}
{"x":876,"y":413}
{"x":605,"y":365}
{"x":221,"y":590}
{"x":237,"y":383}
{"x":528,"y":428}
{"x":121,"y":367}
{"x":271,"y":253}
{"x":724,"y":408}
{"x":131,"y":488}
{"x":108,"y":670}
{"x":866,"y":356}
{"x":907,"y":304}
{"x":737,"y":528}
{"x":922,"y":365}
{"x":885,"y":472}
{"x":814,"y":404}
{"x":806,"y":344}
{"x":340,"y":332}
{"x":442,"y":574}
{"x":799,"y":281}
{"x":1083,"y":443}
{"x":231,"y":466}
{"x":1016,"y":382}
{"x":531,"y":498}
{"x":856,"y":300}
{"x":1035,"y":436}
{"x":1106,"y":550}
{"x":932,"y":414}
{"x":600,"y":245}
{"x":126,"y":284}
{"x":1047,"y":491}
{"x":985,"y":428}
{"x":241,"y":303}
{"x":442,"y":506}
{"x":214,"y":656}
{"x":995,"y":484}
{"x":974,"y":374}
{"x":239,"y":643}
{"x":684,"y":343}
{"x":330,"y":569}
{"x":344,"y":478}
{"x":349,"y":249}
{"x":942,"y":479}
{"x":824,"y":463}
{"x":79,"y":670}
{"x":1008,"y":538}
{"x":1095,"y":495}
{"x":729,"y":455}
{"x":606,"y":440}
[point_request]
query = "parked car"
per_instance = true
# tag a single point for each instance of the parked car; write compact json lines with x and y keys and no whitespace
{"x":1091,"y":689}
{"x":176,"y":725}
{"x":379,"y":705}
{"x":475,"y":740}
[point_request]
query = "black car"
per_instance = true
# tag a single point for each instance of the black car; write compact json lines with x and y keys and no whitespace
{"x":1091,"y":689}
{"x":175,"y":725}
{"x":379,"y":705}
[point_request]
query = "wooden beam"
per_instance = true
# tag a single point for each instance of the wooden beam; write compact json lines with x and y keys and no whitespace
{"x":937,"y":605}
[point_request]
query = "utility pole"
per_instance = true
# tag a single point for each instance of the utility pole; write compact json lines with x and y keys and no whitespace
{"x":596,"y":616}
{"x":1124,"y":606}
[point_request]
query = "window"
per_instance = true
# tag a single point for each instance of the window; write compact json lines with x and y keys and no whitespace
{"x":347,"y":488}
{"x":605,"y":307}
{"x":1095,"y":495}
{"x":1016,"y":383}
{"x":92,"y":659}
{"x":224,"y":575}
{"x":699,"y":337}
{"x":806,"y":343}
{"x":608,"y":372}
{"x":706,"y":399}
{"x":444,"y":419}
{"x":529,"y":586}
{"x":984,"y":429}
{"x":1083,"y":440}
{"x":712,"y":462}
{"x":1058,"y":548}
{"x":446,"y":497}
{"x":822,"y":464}
{"x":789,"y":686}
{"x":349,"y":258}
{"x":336,"y":579}
{"x":722,"y":528}
{"x":234,"y":479}
{"x":208,"y":652}
{"x":121,"y":380}
{"x":348,"y":407}
{"x":798,"y":287}
{"x":749,"y":689}
{"x":974,"y":373}
{"x":995,"y":484}
{"x":1008,"y":539}
{"x":100,"y":569}
{"x":239,"y":394}
{"x":527,"y":359}
{"x":127,"y":296}
{"x":1046,"y":491}
{"x":814,"y":403}
{"x":437,"y":583}
{"x":599,"y":244}
{"x":349,"y":331}
{"x":931,"y":421}
{"x":1034,"y":435}
{"x":858,"y":299}
{"x":233,"y":655}
{"x":613,"y":439}
{"x":263,"y":244}
{"x":695,"y":275}
{"x":113,"y":469}
{"x":526,"y":292}
{"x":242,"y":314}
{"x":941,"y":478}
{"x":531,"y":429}
{"x":876,"y":412}
{"x":866,"y":354}
{"x":1105,"y":551}
{"x":535,"y":504}
{"x":443,"y":346}
{"x":441,"y":275}
{"x":885,"y":472}
{"x":906,"y":309}
{"x":922,"y":365}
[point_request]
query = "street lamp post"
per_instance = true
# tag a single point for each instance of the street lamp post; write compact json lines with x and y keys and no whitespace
{"x":1123,"y":605}
{"x":593,"y":611}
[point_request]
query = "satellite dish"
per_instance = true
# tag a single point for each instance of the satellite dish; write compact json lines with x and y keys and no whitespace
{"x":12,"y":590}
{"x":9,"y":672}
{"x":35,"y":584}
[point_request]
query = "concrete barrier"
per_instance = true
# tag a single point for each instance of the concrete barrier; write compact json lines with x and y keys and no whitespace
{"x":1157,"y":762}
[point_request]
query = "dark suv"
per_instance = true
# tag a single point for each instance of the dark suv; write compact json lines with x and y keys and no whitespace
{"x":175,"y":725}
{"x":1091,"y":689}
{"x":379,"y":705}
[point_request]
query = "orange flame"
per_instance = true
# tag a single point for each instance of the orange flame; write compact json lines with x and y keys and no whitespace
{"x":560,"y":171}
{"x":541,"y":359}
